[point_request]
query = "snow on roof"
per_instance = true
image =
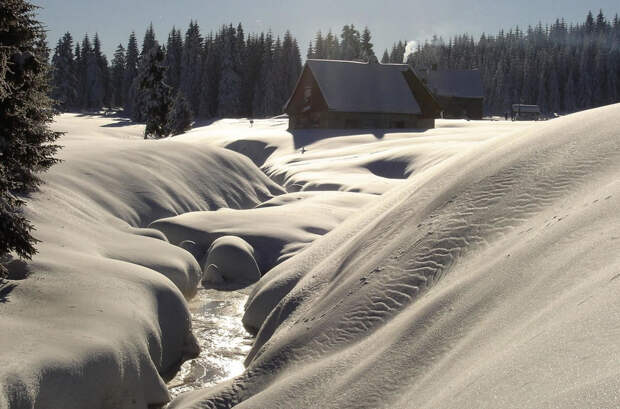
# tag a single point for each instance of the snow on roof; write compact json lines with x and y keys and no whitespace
{"x":458,"y":83}
{"x":349,"y":86}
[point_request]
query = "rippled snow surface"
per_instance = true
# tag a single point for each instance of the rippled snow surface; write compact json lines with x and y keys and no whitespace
{"x":224,"y":343}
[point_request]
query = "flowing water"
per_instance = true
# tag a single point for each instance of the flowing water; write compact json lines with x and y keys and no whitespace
{"x":224,"y":343}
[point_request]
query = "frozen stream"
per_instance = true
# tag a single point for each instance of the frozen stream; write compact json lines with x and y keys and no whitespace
{"x":224,"y":343}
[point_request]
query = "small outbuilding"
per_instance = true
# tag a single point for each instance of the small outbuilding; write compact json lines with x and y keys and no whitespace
{"x":523,"y":112}
{"x":348,"y":94}
{"x":459,"y":92}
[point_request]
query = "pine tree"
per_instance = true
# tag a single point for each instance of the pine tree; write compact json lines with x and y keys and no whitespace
{"x":230,"y":81}
{"x":99,"y":76}
{"x":290,"y":63}
{"x":64,"y":82}
{"x":153,"y":93}
{"x":149,"y":42}
{"x":180,"y":116}
{"x":332,"y":47}
{"x":26,"y":142}
{"x":265,"y":96}
{"x":386,"y":57}
{"x":174,"y":55}
{"x":319,"y":46}
{"x":210,"y":75}
{"x":118,"y":77}
{"x":82,"y":71}
{"x":131,"y":72}
{"x":150,"y":48}
{"x":190,"y":80}
{"x":350,"y":43}
{"x":367,"y":52}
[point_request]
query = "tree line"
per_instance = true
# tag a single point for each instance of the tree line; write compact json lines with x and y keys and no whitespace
{"x":563,"y":68}
{"x":225,"y":74}
{"x":351,"y":46}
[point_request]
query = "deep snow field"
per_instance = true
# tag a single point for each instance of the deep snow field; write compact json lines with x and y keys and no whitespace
{"x":475,"y":265}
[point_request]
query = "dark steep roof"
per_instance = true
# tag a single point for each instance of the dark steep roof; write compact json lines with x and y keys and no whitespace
{"x":349,"y":86}
{"x":462,"y":84}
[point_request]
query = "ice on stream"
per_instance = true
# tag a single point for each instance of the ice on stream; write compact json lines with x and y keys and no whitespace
{"x":224,"y":343}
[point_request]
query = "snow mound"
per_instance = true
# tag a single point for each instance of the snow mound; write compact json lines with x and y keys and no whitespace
{"x":230,"y":264}
{"x":487,"y":280}
{"x":277,"y":229}
{"x":99,"y":318}
{"x":369,"y":161}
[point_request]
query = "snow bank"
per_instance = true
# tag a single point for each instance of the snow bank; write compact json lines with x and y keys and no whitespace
{"x":98,"y":318}
{"x":371,"y":161}
{"x":230,"y":264}
{"x":277,"y":229}
{"x":487,"y":280}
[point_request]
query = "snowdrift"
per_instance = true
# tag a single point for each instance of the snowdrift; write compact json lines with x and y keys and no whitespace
{"x":98,"y":319}
{"x":277,"y":229}
{"x":369,"y":161}
{"x":490,"y":279}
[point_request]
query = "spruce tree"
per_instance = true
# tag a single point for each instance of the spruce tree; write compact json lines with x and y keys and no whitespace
{"x":209,"y":74}
{"x":290,"y":63}
{"x":118,"y":77}
{"x":319,"y":47}
{"x":174,"y":55}
{"x":386,"y":57}
{"x":83,"y":75}
{"x":367,"y":52}
{"x":180,"y":116}
{"x":26,"y":141}
{"x":310,"y":52}
{"x":350,"y":43}
{"x":153,"y":93}
{"x":264,"y":94}
{"x":64,"y":82}
{"x":99,"y":76}
{"x":149,"y":42}
{"x":139,"y":98}
{"x":190,"y":79}
{"x":230,"y":81}
{"x":131,"y":72}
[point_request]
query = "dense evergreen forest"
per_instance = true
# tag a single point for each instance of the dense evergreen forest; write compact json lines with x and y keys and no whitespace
{"x":225,"y":74}
{"x":562,"y":67}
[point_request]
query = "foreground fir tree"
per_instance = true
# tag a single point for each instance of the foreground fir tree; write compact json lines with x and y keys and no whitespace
{"x":154,"y":93}
{"x":26,"y":142}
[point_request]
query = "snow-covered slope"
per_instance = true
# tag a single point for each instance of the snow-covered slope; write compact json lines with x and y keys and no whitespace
{"x":489,"y":279}
{"x":100,"y":320}
{"x":371,"y":161}
{"x":277,"y":229}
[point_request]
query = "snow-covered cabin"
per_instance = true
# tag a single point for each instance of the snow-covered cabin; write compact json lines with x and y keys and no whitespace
{"x":348,"y":94}
{"x":459,"y":92}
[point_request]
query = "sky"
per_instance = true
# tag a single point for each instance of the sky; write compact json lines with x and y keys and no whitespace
{"x":388,"y":20}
